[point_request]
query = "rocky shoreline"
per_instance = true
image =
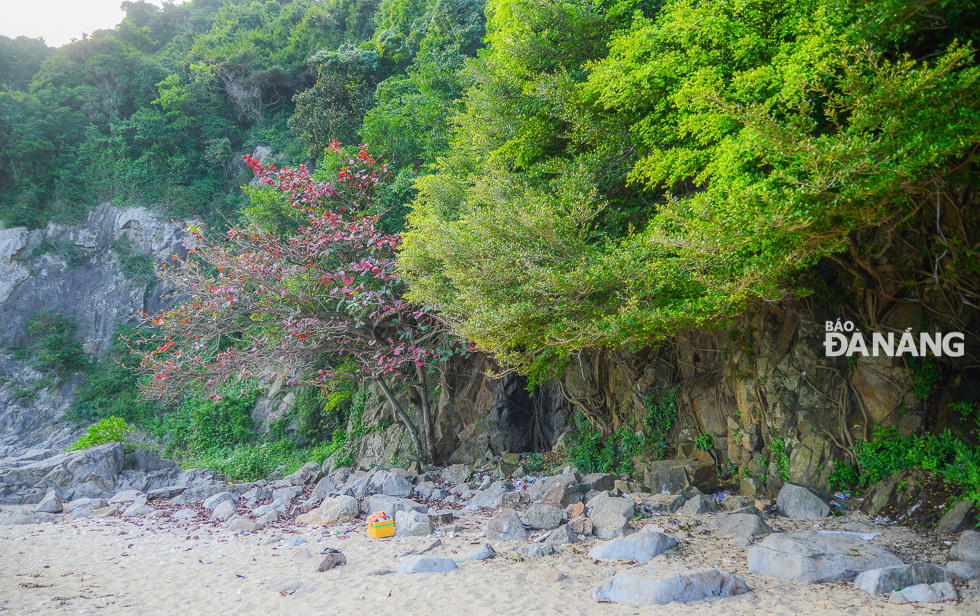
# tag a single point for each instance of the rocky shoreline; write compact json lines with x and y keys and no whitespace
{"x":637,"y":547}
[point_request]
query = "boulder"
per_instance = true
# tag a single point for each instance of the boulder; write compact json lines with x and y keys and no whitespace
{"x":702,"y":503}
{"x":242,"y":525}
{"x":599,"y":482}
{"x":426,"y":564}
{"x":224,"y":511}
{"x":196,"y":494}
{"x":457,"y":473}
{"x":311,"y":472}
{"x":743,"y":527}
{"x":562,"y":535}
{"x":967,"y":547}
{"x":333,"y":510}
{"x":390,"y":505}
{"x":812,"y":556}
{"x":424,"y":489}
{"x":542,"y":517}
{"x":961,"y":516}
{"x":557,"y":494}
{"x":505,"y":526}
{"x":128,"y":496}
{"x":580,"y":525}
{"x":287,"y":493}
{"x":888,"y":579}
{"x":213,"y":501}
{"x":963,"y":570}
{"x":658,"y":586}
{"x":925,"y":593}
{"x":675,"y":475}
{"x":412,"y":524}
{"x":85,"y":503}
{"x":51,"y":503}
{"x":640,"y":547}
{"x":138,"y":509}
{"x":537,"y":550}
{"x":86,"y":473}
{"x":659,"y":504}
{"x":798,"y":502}
{"x":615,"y":504}
{"x":323,"y":487}
{"x":492,"y":496}
{"x":609,"y":524}
{"x":333,"y":559}
{"x":165,"y":492}
{"x":483,"y":552}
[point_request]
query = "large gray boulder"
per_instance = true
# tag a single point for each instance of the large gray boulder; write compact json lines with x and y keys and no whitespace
{"x":741,"y":527}
{"x":812,"y":556}
{"x":311,"y":472}
{"x":659,"y":504}
{"x":960,"y":517}
{"x":412,"y":524}
{"x":390,"y":505}
{"x":491,"y":497}
{"x":333,"y":510}
{"x":606,"y":502}
{"x":888,"y":579}
{"x":542,"y":517}
{"x":609,"y":525}
{"x":457,"y":473}
{"x":224,"y":511}
{"x":658,"y":586}
{"x":702,"y":503}
{"x":967,"y":547}
{"x":86,"y":473}
{"x":505,"y":526}
{"x":212,"y":502}
{"x":641,"y":547}
{"x":51,"y":503}
{"x":798,"y":502}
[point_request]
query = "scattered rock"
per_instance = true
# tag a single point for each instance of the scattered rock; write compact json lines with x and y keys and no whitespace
{"x":224,"y":511}
{"x":599,"y":482}
{"x":301,"y":553}
{"x":391,"y":505}
{"x":505,"y":526}
{"x":925,"y":593}
{"x":640,"y":547}
{"x":798,"y":502}
{"x":286,"y":494}
{"x":967,"y":547}
{"x":333,"y":510}
{"x":311,"y":472}
{"x":184,"y":514}
{"x":562,"y":535}
{"x":457,"y":473}
{"x":961,"y":516}
{"x":888,"y":579}
{"x":581,"y":525}
{"x":165,"y":492}
{"x":426,"y":564}
{"x":609,"y":524}
{"x":483,"y":552}
{"x":542,"y":517}
{"x":537,"y":550}
{"x":331,"y":560}
{"x":492,"y":496}
{"x":742,"y":527}
{"x":412,"y":524}
{"x":616,"y":504}
{"x":658,"y":504}
{"x":811,"y":557}
{"x":325,"y":486}
{"x":85,"y":503}
{"x":242,"y":525}
{"x":736,"y":502}
{"x":702,"y":503}
{"x":657,"y":586}
{"x":293,"y":541}
{"x":104,"y":512}
{"x":963,"y":569}
{"x":137,"y":509}
{"x":382,"y":571}
{"x":128,"y":496}
{"x":51,"y":503}
{"x":213,"y":501}
{"x":441,"y":518}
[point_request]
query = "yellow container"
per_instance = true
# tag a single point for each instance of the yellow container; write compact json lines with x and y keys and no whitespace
{"x":379,"y":530}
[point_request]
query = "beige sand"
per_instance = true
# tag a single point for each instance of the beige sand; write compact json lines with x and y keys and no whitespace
{"x":120,"y":566}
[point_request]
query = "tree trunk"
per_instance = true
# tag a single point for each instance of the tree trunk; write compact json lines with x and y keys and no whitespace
{"x":402,"y":416}
{"x":427,"y":425}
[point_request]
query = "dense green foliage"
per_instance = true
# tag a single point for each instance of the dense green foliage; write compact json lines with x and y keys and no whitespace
{"x":624,"y":170}
{"x":109,"y":430}
{"x":52,"y":344}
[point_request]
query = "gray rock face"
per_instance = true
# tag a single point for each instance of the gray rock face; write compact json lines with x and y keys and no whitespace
{"x":542,"y":517}
{"x":887,"y":579}
{"x":960,"y":517}
{"x":797,"y":502}
{"x":333,"y":510}
{"x":609,"y":524}
{"x":658,"y":586}
{"x":426,"y":564}
{"x":641,"y":547}
{"x":412,"y":524}
{"x":702,"y":503}
{"x":87,"y":473}
{"x":967,"y":547}
{"x":925,"y":593}
{"x":505,"y":526}
{"x":812,"y":557}
{"x":616,"y":504}
{"x":51,"y":503}
{"x":224,"y":510}
{"x":483,"y":552}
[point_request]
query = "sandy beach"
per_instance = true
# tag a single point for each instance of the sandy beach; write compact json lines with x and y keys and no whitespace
{"x":162,"y":566}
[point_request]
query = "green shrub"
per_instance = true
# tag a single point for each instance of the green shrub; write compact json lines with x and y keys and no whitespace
{"x":134,"y":263}
{"x":704,"y":442}
{"x":109,"y":430}
{"x":52,"y":345}
{"x":778,"y":457}
{"x":843,"y":475}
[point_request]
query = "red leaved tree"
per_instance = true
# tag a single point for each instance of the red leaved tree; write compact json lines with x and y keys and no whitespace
{"x":264,"y":303}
